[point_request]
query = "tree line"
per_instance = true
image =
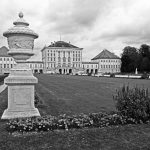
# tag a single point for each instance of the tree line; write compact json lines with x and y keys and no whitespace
{"x":133,"y":58}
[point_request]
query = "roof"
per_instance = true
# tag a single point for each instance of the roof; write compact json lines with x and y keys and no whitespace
{"x":3,"y":52}
{"x":62,"y":44}
{"x":105,"y":54}
{"x":89,"y":62}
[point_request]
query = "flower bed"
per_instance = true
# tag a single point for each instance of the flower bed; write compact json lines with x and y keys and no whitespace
{"x":50,"y":123}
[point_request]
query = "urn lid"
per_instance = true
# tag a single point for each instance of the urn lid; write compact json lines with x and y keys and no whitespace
{"x":21,"y":27}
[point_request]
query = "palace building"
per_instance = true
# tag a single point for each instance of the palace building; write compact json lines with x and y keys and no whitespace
{"x":108,"y":62}
{"x":62,"y":57}
{"x":6,"y":61}
{"x":90,"y":67}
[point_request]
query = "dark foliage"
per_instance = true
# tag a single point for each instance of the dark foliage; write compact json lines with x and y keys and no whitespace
{"x":132,"y":58}
{"x":133,"y":103}
{"x":129,"y":59}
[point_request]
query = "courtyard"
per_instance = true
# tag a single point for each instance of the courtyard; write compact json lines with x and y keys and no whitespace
{"x":62,"y":94}
{"x":79,"y":94}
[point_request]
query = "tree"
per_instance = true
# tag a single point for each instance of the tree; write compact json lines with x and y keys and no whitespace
{"x":144,"y":55}
{"x":144,"y":50}
{"x":129,"y":59}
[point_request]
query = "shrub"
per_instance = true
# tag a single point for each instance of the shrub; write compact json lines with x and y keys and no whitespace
{"x":144,"y":76}
{"x":51,"y":123}
{"x":133,"y":103}
{"x":112,"y":75}
{"x":36,"y":98}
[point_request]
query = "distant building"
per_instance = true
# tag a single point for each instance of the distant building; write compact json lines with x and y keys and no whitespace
{"x":36,"y":66}
{"x":7,"y":62}
{"x":108,"y":62}
{"x":90,"y":67}
{"x":62,"y":57}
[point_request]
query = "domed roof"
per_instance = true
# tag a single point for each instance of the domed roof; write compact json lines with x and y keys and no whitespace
{"x":21,"y":27}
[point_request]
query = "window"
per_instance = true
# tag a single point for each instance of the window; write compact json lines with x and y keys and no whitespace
{"x":58,"y":53}
{"x":64,"y":59}
{"x":59,"y":59}
{"x":64,"y":54}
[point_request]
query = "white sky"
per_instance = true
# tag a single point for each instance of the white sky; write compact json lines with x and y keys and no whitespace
{"x":89,"y":24}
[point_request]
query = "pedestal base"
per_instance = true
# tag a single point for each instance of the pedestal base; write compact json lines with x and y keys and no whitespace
{"x":10,"y":114}
{"x":20,"y":93}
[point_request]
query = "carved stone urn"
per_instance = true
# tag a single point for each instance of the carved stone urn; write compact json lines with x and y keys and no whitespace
{"x":20,"y":80}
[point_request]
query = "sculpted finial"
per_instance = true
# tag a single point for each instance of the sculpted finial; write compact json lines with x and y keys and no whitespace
{"x":20,"y":15}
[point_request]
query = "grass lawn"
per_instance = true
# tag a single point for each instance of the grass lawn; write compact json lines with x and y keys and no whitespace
{"x":80,"y":94}
{"x":75,"y":94}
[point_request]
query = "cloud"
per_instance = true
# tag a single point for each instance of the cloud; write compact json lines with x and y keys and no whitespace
{"x":72,"y":17}
{"x":131,"y":24}
{"x":90,"y":24}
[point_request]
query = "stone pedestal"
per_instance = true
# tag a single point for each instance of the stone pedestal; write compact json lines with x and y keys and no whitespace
{"x":21,"y":80}
{"x":20,"y":93}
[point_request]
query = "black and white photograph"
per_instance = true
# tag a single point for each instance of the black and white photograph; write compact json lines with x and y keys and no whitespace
{"x":74,"y":75}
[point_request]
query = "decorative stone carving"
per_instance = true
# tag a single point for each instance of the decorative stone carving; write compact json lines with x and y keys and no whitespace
{"x":18,"y":42}
{"x":20,"y":80}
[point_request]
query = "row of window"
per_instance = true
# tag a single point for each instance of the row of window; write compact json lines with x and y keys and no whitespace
{"x":6,"y":66}
{"x":90,"y":66}
{"x":54,"y":51}
{"x":6,"y":59}
{"x":109,"y":66}
{"x":103,"y":60}
{"x":63,"y":59}
{"x":36,"y":65}
{"x":53,"y":65}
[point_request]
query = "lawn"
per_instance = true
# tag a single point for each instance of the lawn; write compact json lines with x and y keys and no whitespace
{"x":71,"y":95}
{"x":80,"y":94}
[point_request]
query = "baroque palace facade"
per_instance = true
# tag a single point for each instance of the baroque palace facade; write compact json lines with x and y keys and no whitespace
{"x":61,"y":57}
{"x":64,"y":58}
